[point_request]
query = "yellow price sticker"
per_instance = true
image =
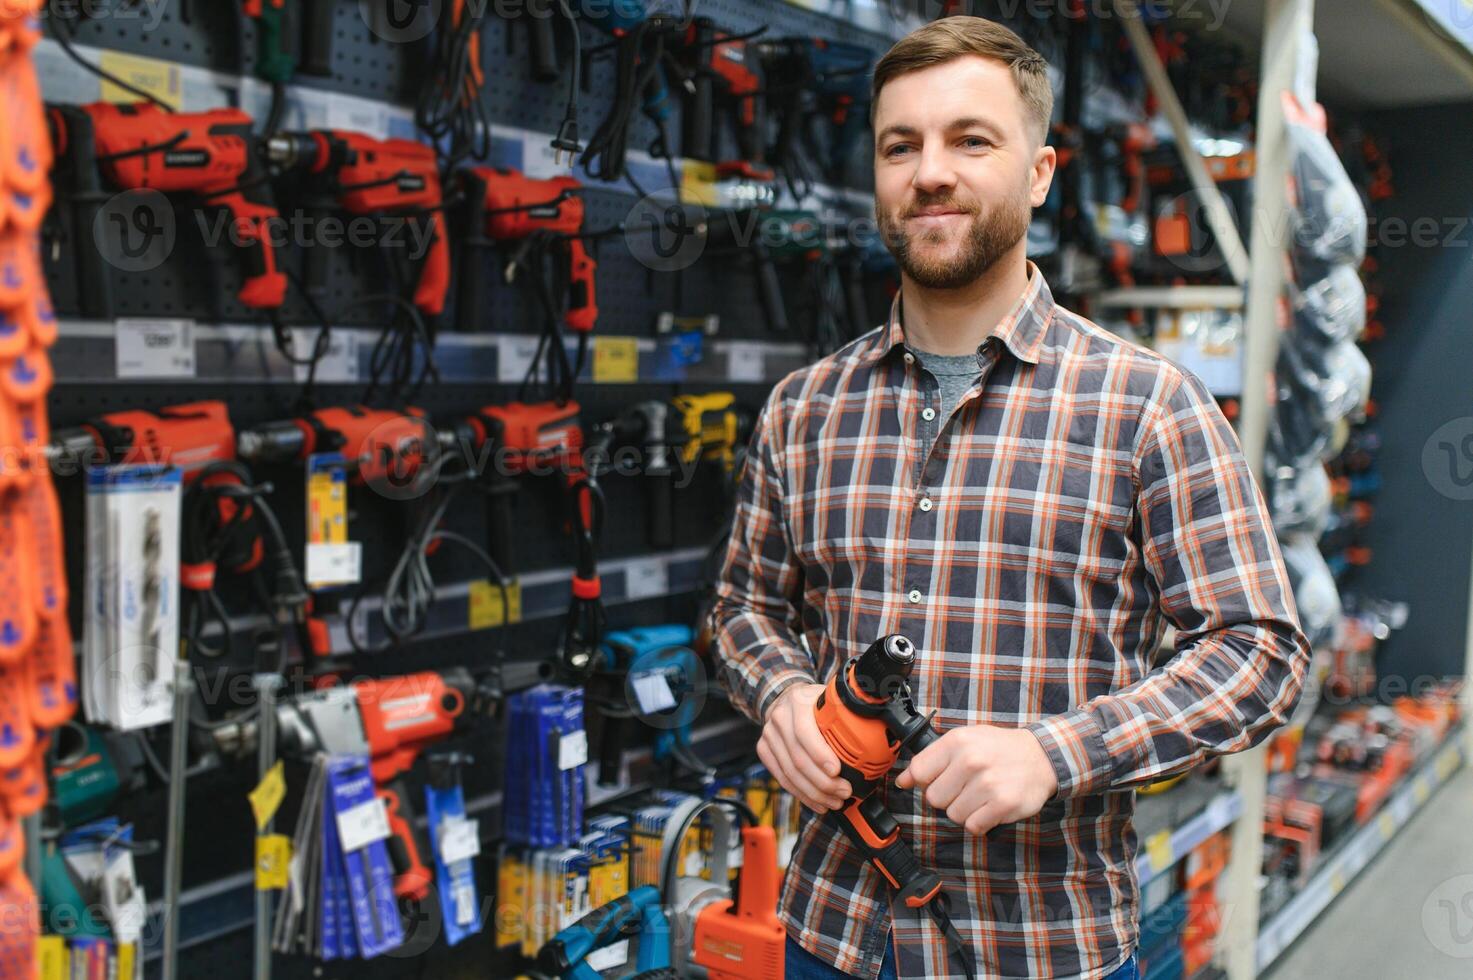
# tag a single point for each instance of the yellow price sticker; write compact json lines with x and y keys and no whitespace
{"x":267,"y":796}
{"x":615,"y":360}
{"x":698,"y":183}
{"x":273,"y":861}
{"x":486,"y":609}
{"x":158,"y":78}
{"x":1337,"y":883}
{"x":1388,"y":826}
{"x":52,"y":958}
{"x":1420,"y":791}
{"x":1158,"y":849}
{"x":1446,"y":763}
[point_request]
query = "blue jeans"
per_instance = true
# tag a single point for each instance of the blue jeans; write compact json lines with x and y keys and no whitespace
{"x":803,"y":965}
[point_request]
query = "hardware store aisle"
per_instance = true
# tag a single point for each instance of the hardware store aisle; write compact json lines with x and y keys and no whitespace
{"x":1376,"y":929}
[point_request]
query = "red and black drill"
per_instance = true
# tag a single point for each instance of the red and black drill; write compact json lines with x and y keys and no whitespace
{"x":210,"y":155}
{"x":372,"y":176}
{"x":545,"y":220}
{"x":867,"y":715}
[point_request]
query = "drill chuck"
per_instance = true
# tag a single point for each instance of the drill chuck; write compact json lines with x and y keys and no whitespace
{"x":882,"y":671}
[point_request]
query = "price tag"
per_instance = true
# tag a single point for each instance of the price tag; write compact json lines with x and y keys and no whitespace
{"x":608,"y":957}
{"x":158,"y":78}
{"x":273,"y":859}
{"x":155,"y":348}
{"x":267,"y":796}
{"x":51,"y":958}
{"x":363,"y":825}
{"x":485,"y":605}
{"x":572,"y":750}
{"x":338,"y":363}
{"x":615,"y":360}
{"x":646,"y":578}
{"x":514,"y":358}
{"x":334,"y":564}
{"x":1387,"y":825}
{"x":1337,"y":883}
{"x":1420,"y":791}
{"x":652,"y":691}
{"x":698,"y":183}
{"x":1158,"y":849}
{"x":465,"y":905}
{"x":363,"y":115}
{"x":460,"y":839}
{"x":746,"y":362}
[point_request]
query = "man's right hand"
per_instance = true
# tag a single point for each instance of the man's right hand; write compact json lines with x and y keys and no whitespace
{"x":794,"y":751}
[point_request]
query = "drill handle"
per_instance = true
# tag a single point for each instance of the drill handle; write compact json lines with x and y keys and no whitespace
{"x":411,"y":877}
{"x":252,"y":209}
{"x":877,"y":834}
{"x":760,"y":880}
{"x":582,"y":293}
{"x":470,"y":296}
{"x":434,"y":271}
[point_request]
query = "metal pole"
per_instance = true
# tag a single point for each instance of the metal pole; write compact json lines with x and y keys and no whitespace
{"x":266,"y":687}
{"x":1285,"y":22}
{"x":178,"y":787}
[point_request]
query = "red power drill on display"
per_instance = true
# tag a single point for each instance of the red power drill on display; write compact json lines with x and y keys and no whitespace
{"x":210,"y":155}
{"x":507,"y":205}
{"x":867,"y":716}
{"x":373,"y":176}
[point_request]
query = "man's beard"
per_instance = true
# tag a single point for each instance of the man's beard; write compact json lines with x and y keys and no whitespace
{"x":987,"y":238}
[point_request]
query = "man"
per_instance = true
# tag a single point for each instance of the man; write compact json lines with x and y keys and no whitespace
{"x":1030,"y":499}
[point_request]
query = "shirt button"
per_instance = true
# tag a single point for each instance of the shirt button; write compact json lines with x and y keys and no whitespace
{"x":910,"y":358}
{"x":915,"y":595}
{"x":925,"y":503}
{"x":928,"y":414}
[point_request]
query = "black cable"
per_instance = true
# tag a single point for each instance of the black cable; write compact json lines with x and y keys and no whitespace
{"x":59,"y":34}
{"x":566,"y":139}
{"x":451,"y":110}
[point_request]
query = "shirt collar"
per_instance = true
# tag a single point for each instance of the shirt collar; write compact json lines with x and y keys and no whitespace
{"x":1022,"y":330}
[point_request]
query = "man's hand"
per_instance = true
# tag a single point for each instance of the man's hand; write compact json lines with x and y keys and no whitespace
{"x":983,"y":776}
{"x":793,"y":750}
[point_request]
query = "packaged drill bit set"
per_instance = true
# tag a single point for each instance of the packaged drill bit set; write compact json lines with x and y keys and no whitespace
{"x":340,"y":901}
{"x":546,"y":761}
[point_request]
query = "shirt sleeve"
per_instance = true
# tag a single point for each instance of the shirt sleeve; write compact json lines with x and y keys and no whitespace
{"x":760,"y":587}
{"x":1240,"y":658}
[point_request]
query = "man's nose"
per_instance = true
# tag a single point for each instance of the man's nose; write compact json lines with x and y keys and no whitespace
{"x":934,"y":171}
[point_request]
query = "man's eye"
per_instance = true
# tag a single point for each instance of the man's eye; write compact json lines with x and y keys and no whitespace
{"x":975,"y":142}
{"x":896,"y":150}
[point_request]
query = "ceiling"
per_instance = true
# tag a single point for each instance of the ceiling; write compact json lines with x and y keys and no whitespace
{"x":1373,"y":53}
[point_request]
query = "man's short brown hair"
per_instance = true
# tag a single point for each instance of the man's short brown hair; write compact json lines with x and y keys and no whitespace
{"x":950,"y":38}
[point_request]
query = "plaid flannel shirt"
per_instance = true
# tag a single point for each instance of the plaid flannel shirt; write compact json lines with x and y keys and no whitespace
{"x":1084,"y":493}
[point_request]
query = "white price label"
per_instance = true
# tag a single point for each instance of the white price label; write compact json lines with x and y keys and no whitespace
{"x":646,"y":578}
{"x":572,"y":750}
{"x":363,"y":115}
{"x":155,"y":348}
{"x":363,"y":825}
{"x":460,"y":839}
{"x":608,"y":957}
{"x":465,"y":905}
{"x":514,"y":357}
{"x":334,"y":564}
{"x":746,"y":362}
{"x":338,"y":363}
{"x":652,"y":691}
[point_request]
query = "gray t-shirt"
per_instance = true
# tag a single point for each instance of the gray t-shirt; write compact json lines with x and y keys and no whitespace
{"x":954,"y":375}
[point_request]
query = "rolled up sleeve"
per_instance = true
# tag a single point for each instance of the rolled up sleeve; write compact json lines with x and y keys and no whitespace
{"x":1240,"y":657}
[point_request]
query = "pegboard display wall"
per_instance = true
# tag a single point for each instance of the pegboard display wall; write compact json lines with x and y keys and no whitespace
{"x":201,"y":283}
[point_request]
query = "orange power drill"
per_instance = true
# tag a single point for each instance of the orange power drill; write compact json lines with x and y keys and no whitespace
{"x":373,"y":176}
{"x":867,"y":716}
{"x":507,"y":205}
{"x":209,"y":154}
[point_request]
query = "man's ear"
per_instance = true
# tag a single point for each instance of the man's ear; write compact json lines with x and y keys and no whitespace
{"x":1045,"y":162}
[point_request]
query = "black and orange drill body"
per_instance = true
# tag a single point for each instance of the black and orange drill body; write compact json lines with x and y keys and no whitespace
{"x":366,"y":175}
{"x":505,"y":205}
{"x":867,"y":717}
{"x":210,"y":155}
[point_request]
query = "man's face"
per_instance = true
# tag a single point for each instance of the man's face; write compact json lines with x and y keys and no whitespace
{"x":957,"y":170}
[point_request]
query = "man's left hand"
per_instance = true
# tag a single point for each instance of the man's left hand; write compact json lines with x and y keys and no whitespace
{"x":982,"y":776}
